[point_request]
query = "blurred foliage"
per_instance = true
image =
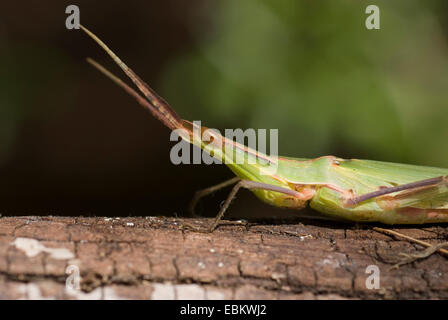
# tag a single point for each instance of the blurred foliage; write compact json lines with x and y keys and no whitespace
{"x":313,"y":70}
{"x":29,"y":73}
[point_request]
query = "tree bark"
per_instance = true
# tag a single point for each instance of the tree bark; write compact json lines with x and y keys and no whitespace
{"x":152,"y":258}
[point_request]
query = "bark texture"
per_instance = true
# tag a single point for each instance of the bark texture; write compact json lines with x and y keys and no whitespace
{"x":152,"y":258}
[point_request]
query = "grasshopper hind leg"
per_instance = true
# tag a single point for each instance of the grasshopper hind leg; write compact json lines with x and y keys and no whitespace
{"x":427,"y":183}
{"x":409,"y":258}
{"x":438,"y":214}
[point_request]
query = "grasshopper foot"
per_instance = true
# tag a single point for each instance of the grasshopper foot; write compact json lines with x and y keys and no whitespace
{"x":212,"y":227}
{"x":188,"y":226}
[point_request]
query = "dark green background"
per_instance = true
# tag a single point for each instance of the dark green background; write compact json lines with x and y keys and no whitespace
{"x":71,"y":142}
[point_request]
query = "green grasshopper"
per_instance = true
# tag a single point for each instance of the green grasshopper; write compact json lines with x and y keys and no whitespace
{"x":355,"y":190}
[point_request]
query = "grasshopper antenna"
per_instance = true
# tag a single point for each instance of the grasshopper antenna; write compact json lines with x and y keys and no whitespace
{"x":142,"y":101}
{"x":159,"y":107}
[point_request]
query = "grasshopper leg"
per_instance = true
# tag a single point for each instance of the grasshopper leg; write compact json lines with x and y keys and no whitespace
{"x":248,"y":185}
{"x":427,"y":183}
{"x":205,"y":192}
{"x":408,"y":258}
{"x":354,"y":201}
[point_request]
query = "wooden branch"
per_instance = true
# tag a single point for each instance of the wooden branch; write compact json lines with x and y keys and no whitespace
{"x":152,"y":258}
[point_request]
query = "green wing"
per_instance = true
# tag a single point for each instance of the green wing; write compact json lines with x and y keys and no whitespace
{"x":393,"y":173}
